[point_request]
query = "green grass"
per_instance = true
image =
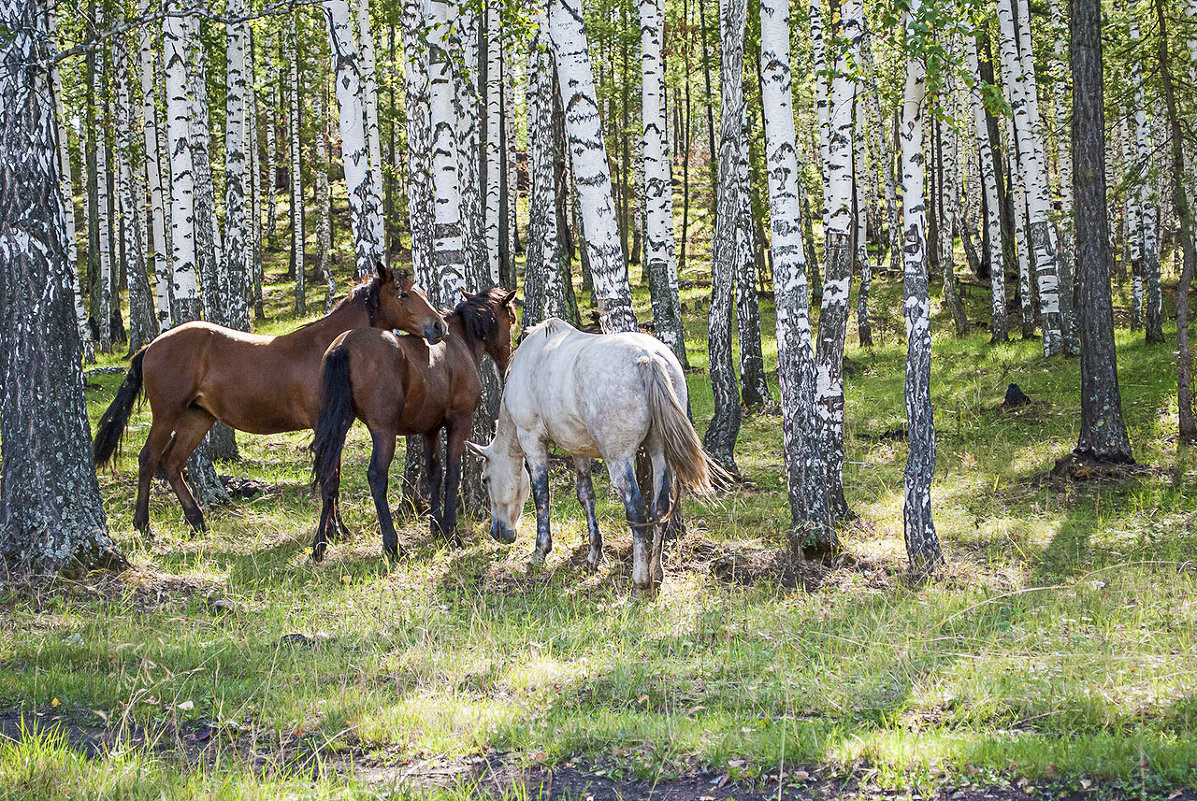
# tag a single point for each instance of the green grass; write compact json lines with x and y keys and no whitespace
{"x":1058,"y":641}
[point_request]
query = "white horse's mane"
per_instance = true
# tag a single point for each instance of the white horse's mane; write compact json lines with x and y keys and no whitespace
{"x":550,"y":326}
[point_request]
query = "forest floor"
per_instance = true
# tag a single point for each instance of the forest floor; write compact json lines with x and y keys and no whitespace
{"x":1053,"y":656}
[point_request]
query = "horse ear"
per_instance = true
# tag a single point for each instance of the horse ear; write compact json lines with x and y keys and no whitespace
{"x":509,"y":299}
{"x":464,"y":295}
{"x":384,"y":274}
{"x":481,"y":450}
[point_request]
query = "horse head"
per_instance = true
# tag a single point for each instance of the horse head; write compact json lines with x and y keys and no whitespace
{"x":403,"y":306}
{"x":489,"y":317}
{"x":508,"y":485}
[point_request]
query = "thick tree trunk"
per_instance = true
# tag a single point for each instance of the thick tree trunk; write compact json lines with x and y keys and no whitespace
{"x":754,"y":388}
{"x":51,"y":513}
{"x":922,"y":543}
{"x":811,"y":528}
{"x":1103,"y":432}
{"x":612,"y":294}
{"x":659,"y":261}
{"x":464,"y":54}
{"x":419,"y":142}
{"x":369,"y":93}
{"x":726,"y":247}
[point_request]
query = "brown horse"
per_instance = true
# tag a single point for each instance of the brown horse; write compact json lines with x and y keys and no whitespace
{"x":403,"y":386}
{"x":199,"y":373}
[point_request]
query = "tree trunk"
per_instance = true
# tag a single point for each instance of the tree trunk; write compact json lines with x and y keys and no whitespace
{"x":1146,"y":201}
{"x":922,"y":543}
{"x":993,"y":222}
{"x":419,"y":143}
{"x":872,"y":96}
{"x":102,"y":287}
{"x":369,"y":93}
{"x":295,"y":150}
{"x":727,"y":246}
{"x":51,"y":512}
{"x":949,"y":198}
{"x":321,"y":161}
{"x":659,"y":261}
{"x":811,"y":528}
{"x":612,"y":294}
{"x":864,"y":328}
{"x":153,"y":173}
{"x":1103,"y":432}
{"x":492,"y":175}
{"x":1067,"y":250}
{"x":754,"y":388}
{"x":237,"y":211}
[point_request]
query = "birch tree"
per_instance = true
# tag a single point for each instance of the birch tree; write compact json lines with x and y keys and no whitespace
{"x":153,"y":171}
{"x":1146,"y":200}
{"x":949,"y":198}
{"x":51,"y":512}
{"x":419,"y":140}
{"x":492,"y":151}
{"x":809,"y":514}
{"x":592,"y":176}
{"x":922,"y":543}
{"x":369,"y":88}
{"x":236,"y":160}
{"x":101,"y":242}
{"x":294,"y":149}
{"x":727,"y":247}
{"x":659,"y":261}
{"x":993,"y":222}
{"x":449,"y":271}
{"x":365,"y":199}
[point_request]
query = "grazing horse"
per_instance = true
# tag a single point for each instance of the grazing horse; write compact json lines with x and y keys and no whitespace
{"x":199,"y":373}
{"x":403,"y":386}
{"x":594,"y":395}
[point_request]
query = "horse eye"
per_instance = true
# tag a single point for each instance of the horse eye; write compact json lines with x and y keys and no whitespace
{"x":403,"y":296}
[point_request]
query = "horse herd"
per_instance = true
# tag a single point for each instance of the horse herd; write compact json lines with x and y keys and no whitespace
{"x":387,"y":357}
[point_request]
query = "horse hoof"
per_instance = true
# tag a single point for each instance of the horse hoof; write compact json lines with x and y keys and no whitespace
{"x":647,"y":592}
{"x":593,"y":561}
{"x":393,"y":554}
{"x":318,"y":552}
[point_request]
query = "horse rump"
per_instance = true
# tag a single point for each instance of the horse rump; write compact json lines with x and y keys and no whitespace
{"x":334,"y":419}
{"x":683,"y":449}
{"x":115,"y":420}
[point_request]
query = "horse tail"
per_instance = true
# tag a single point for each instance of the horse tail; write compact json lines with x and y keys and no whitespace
{"x":107,"y":443}
{"x":335,"y":417}
{"x":683,"y":449}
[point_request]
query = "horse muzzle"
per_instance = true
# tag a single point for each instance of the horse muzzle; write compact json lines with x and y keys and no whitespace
{"x":435,"y":332}
{"x":500,"y":533}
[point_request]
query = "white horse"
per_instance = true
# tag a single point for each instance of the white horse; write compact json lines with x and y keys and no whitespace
{"x":594,"y":395}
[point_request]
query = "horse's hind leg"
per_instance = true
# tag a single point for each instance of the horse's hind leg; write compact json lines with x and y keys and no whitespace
{"x":189,"y":432}
{"x":147,"y":465}
{"x":458,"y":430}
{"x":582,"y":467}
{"x":623,"y":479}
{"x":661,"y":510}
{"x":432,"y":466}
{"x":380,"y":466}
{"x":330,"y":496}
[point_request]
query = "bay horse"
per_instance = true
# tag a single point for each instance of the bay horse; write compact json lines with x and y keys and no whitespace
{"x":199,"y":373}
{"x":404,"y":386}
{"x":595,"y":396}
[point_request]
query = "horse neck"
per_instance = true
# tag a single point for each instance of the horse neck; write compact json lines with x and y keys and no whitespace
{"x":476,"y":347}
{"x":323,"y":331}
{"x":506,"y":434}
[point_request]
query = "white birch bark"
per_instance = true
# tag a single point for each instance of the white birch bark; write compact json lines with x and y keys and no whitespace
{"x":659,"y":262}
{"x":494,"y":135}
{"x":822,"y":101}
{"x":236,"y":175}
{"x":922,"y":543}
{"x":1146,"y":199}
{"x":872,"y":95}
{"x":1033,"y":170}
{"x":271,"y":158}
{"x":993,"y":221}
{"x":185,"y":289}
{"x":1133,"y":227}
{"x":369,"y":84}
{"x":1061,"y":96}
{"x":208,"y":247}
{"x":448,"y":248}
{"x":321,"y":159}
{"x":88,"y":348}
{"x":255,"y":187}
{"x":420,"y":205}
{"x":102,"y":201}
{"x":365,"y":199}
{"x":153,"y":173}
{"x":464,"y":51}
{"x":949,"y":194}
{"x":295,"y":151}
{"x":612,"y":294}
{"x":810,"y":522}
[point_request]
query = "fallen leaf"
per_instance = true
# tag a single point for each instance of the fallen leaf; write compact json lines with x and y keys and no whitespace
{"x":186,"y":705}
{"x":55,"y":702}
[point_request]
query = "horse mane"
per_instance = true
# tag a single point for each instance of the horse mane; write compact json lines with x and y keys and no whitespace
{"x":550,"y":326}
{"x":365,"y":292}
{"x":477,"y":313}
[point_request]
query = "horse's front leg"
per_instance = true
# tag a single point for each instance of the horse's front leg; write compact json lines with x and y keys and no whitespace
{"x":378,"y":475}
{"x":662,"y":513}
{"x":623,"y":479}
{"x":582,"y":468}
{"x":432,"y":466}
{"x":536,"y":456}
{"x":459,"y":431}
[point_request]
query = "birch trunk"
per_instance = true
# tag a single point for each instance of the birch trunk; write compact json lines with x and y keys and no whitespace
{"x":1132,"y":226}
{"x":1022,"y":246}
{"x":208,"y":252}
{"x":727,"y":247}
{"x":883,"y":153}
{"x":1040,"y":232}
{"x":1060,"y":89}
{"x":839,"y":226}
{"x":993,"y":222}
{"x":237,"y":210}
{"x":103,"y":286}
{"x":130,"y":194}
{"x":295,"y":151}
{"x":153,"y":173}
{"x":364,"y":194}
{"x":448,"y":250}
{"x":51,"y":512}
{"x":255,"y":171}
{"x":321,"y":161}
{"x":922,"y":543}
{"x":419,"y":141}
{"x":272,"y":160}
{"x":949,"y":196}
{"x":464,"y":53}
{"x":492,"y":153}
{"x":864,"y":328}
{"x":754,"y":388}
{"x":87,"y":347}
{"x":811,"y":528}
{"x":612,"y":294}
{"x":369,"y":89}
{"x":1146,"y":201}
{"x":659,"y":260}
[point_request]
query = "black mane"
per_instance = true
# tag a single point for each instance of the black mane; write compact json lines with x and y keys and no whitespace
{"x":478,"y":314}
{"x":365,"y":292}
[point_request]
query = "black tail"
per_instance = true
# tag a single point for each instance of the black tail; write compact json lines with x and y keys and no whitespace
{"x":116,"y":418}
{"x":335,"y":417}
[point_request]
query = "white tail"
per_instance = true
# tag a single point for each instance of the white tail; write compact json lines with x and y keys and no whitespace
{"x":683,"y":449}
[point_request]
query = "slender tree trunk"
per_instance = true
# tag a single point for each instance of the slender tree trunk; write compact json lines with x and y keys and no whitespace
{"x":492,"y":175}
{"x":271,"y":157}
{"x":883,"y":152}
{"x":369,"y":91}
{"x":464,"y":55}
{"x":295,"y":149}
{"x":153,"y":173}
{"x":612,"y":294}
{"x":864,"y":328}
{"x":949,"y":198}
{"x":321,"y":161}
{"x":237,"y":208}
{"x":993,"y":223}
{"x":449,"y":268}
{"x":1146,"y":202}
{"x":659,"y":261}
{"x":1067,"y":252}
{"x":811,"y":528}
{"x":1103,"y":432}
{"x":922,"y":543}
{"x":100,"y":125}
{"x":255,"y":171}
{"x":727,"y":247}
{"x":51,"y":512}
{"x":419,"y":142}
